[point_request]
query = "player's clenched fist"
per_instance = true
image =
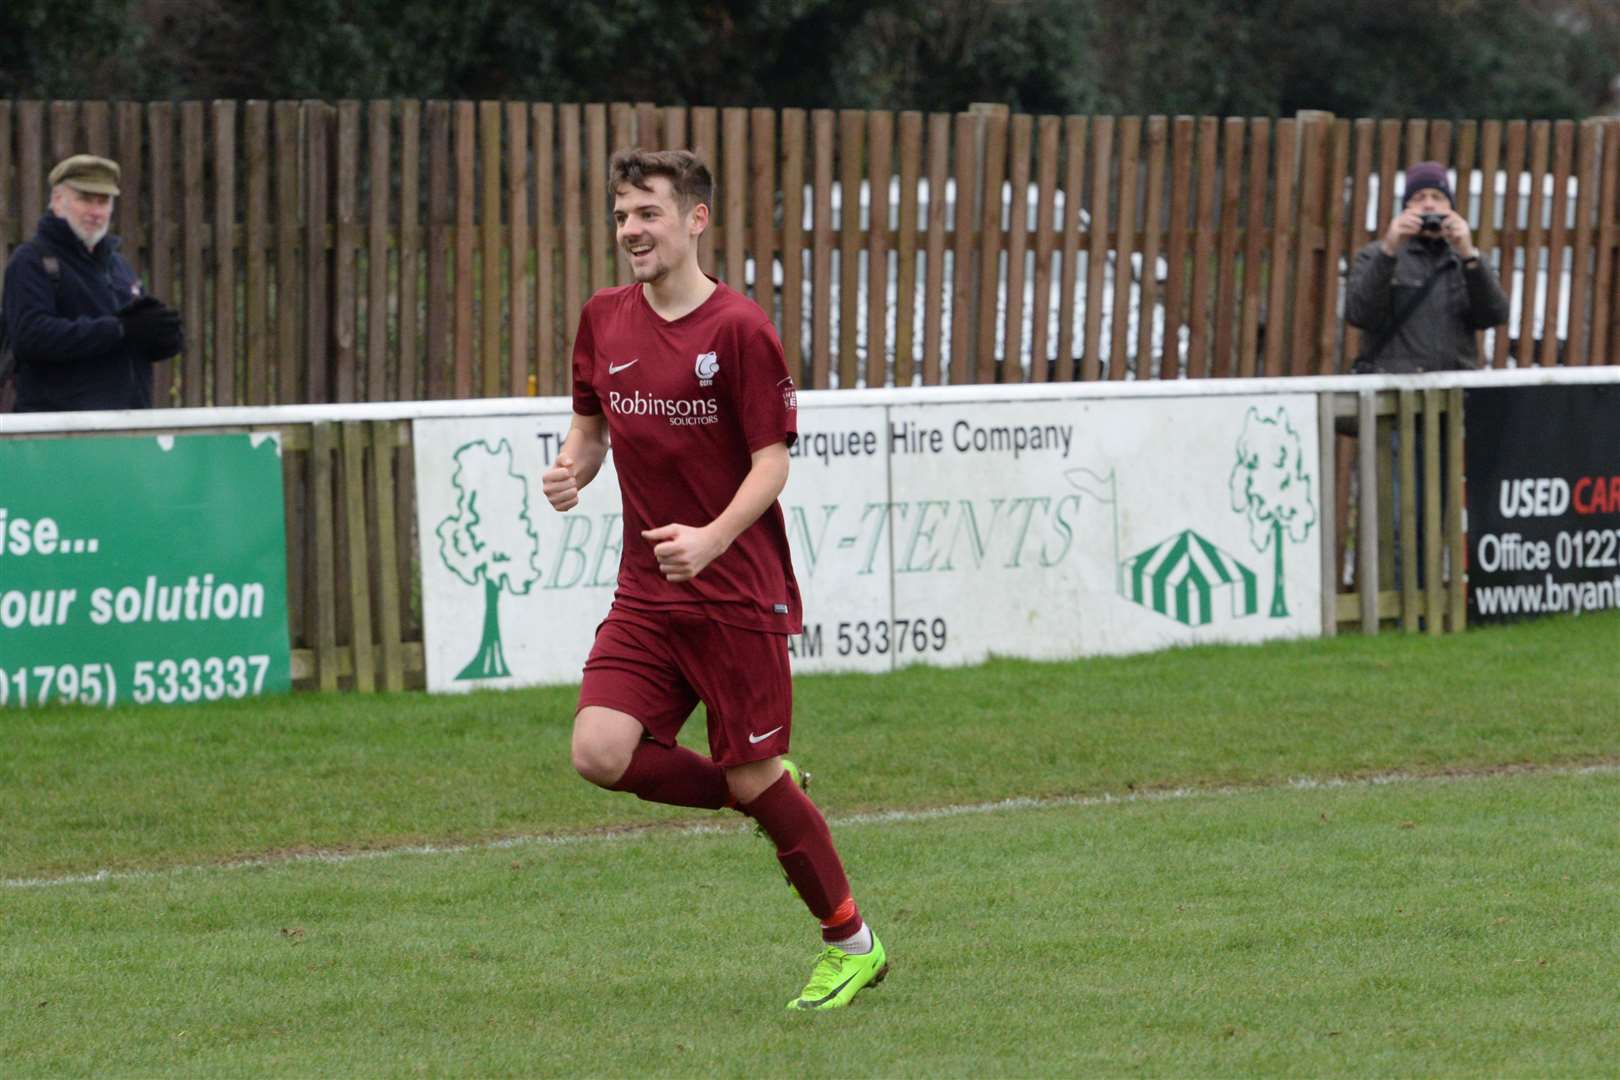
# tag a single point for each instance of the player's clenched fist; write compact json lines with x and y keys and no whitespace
{"x":682,"y":551}
{"x":561,"y":484}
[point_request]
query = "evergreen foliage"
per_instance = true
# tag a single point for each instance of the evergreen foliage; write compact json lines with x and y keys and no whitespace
{"x":1458,"y":58}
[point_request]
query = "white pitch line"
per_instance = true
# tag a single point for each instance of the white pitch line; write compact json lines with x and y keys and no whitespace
{"x":876,"y":817}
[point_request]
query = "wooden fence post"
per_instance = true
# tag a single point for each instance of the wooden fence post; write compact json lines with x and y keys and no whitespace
{"x":1012,"y":355}
{"x":289,"y":170}
{"x":880,"y":147}
{"x":347,"y":385}
{"x":1406,"y":470}
{"x":1367,"y":526}
{"x":851,"y":137}
{"x":793,"y":147}
{"x":317,"y":252}
{"x":193,"y":158}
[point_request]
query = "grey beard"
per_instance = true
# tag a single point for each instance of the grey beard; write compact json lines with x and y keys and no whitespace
{"x":90,"y":240}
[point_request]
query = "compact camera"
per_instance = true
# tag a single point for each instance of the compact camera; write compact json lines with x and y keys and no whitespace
{"x":1431,"y":221}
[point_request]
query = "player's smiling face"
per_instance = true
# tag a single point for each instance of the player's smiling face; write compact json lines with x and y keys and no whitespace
{"x":653,"y":231}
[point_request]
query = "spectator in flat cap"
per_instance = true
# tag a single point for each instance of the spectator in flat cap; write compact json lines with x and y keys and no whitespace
{"x":84,"y":332}
{"x":1421,"y":291}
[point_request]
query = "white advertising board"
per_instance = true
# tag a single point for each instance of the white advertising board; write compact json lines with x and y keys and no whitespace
{"x":836,"y":502}
{"x":511,"y":590}
{"x":936,"y":531}
{"x":1050,"y":529}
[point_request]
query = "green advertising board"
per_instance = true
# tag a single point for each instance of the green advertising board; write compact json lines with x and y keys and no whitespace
{"x":142,"y":570}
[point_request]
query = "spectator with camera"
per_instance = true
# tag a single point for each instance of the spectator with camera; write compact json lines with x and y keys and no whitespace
{"x":1421,"y":290}
{"x":83,"y":331}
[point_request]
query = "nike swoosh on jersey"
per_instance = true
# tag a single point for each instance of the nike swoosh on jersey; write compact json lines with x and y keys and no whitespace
{"x":756,"y":739}
{"x":614,"y":369}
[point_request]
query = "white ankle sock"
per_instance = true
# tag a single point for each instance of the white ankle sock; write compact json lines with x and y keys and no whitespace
{"x":857,"y":943}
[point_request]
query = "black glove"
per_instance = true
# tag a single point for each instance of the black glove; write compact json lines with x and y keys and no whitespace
{"x":172,"y":344}
{"x":144,"y":302}
{"x":150,"y":323}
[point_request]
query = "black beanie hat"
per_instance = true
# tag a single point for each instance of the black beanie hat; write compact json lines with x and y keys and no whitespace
{"x":1427,"y":174}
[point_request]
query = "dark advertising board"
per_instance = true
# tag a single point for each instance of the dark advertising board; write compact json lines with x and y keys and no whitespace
{"x":1543,"y":500}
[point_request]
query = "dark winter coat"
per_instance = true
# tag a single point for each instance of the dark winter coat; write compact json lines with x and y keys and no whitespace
{"x":69,"y":341}
{"x":1439,"y":335}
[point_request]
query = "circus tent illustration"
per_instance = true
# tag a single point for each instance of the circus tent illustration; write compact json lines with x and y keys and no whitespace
{"x":1181,"y":575}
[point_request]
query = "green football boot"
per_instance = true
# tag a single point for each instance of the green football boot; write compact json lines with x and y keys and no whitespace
{"x":839,"y":976}
{"x":800,"y":777}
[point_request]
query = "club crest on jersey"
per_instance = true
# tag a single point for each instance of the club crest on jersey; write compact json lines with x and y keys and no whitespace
{"x":707,"y":365}
{"x":790,"y":395}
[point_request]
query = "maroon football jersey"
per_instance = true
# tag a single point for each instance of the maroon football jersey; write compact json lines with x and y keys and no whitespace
{"x":687,"y":402}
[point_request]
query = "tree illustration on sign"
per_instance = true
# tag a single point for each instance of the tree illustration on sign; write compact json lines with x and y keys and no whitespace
{"x":490,"y":539}
{"x":1269,"y":483}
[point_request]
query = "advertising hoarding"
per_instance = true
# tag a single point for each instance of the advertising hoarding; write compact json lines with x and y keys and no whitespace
{"x":921,"y":531}
{"x":1543,"y":472}
{"x":142,"y":570}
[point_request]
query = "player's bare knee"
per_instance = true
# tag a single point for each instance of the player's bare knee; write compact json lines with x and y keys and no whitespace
{"x":604,"y":741}
{"x":598,"y":761}
{"x":597,"y":756}
{"x":596,"y":768}
{"x":748,"y":782}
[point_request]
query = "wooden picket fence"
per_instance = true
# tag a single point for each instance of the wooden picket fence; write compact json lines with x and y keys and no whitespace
{"x":354,"y":616}
{"x":1402,"y":519}
{"x":399,"y":250}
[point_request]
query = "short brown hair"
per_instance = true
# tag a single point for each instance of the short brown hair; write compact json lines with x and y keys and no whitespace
{"x":688,"y":177}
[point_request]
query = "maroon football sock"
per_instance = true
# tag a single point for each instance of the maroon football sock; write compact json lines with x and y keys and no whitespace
{"x":842,"y":924}
{"x":804,"y":847}
{"x":675,"y":775}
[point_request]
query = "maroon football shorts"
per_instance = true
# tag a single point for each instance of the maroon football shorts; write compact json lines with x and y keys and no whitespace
{"x":658,"y":666}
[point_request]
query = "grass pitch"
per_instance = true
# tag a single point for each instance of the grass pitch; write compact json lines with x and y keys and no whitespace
{"x":1173,"y":902}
